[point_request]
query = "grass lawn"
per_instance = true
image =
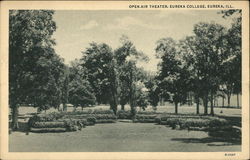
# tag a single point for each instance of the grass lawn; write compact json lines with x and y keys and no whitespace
{"x":124,"y":137}
{"x":120,"y":137}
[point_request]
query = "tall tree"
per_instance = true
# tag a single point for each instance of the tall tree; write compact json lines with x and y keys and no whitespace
{"x":65,"y":88}
{"x":46,"y":91}
{"x":30,"y":46}
{"x":232,"y":57}
{"x":100,"y":65}
{"x":208,"y":45}
{"x":153,"y":90}
{"x":172,"y":75}
{"x":127,"y":57}
{"x":80,"y":92}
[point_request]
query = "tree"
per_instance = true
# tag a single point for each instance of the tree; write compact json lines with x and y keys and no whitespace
{"x":172,"y":74}
{"x":47,"y":84}
{"x":30,"y":46}
{"x":141,"y":95}
{"x":232,"y":57}
{"x":80,"y":92}
{"x":153,"y":90}
{"x":100,"y":65}
{"x":127,"y":58}
{"x":65,"y":88}
{"x":207,"y":46}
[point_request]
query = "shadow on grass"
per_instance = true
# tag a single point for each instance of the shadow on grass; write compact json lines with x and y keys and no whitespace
{"x":236,"y":121}
{"x":23,"y":127}
{"x":209,"y":140}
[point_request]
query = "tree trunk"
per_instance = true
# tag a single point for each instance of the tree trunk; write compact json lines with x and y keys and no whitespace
{"x":64,"y":107}
{"x":228,"y":99}
{"x":223,"y":105}
{"x":205,"y":103}
{"x":212,"y":105}
{"x":123,"y":107}
{"x":131,"y":95}
{"x":197,"y":106}
{"x":190,"y":99}
{"x":176,"y":107}
{"x":238,"y":103}
{"x":14,"y":123}
{"x":114,"y":107}
{"x":215,"y":101}
{"x":113,"y":100}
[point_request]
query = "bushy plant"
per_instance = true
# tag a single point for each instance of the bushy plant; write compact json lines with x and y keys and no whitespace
{"x":45,"y":117}
{"x":218,"y":122}
{"x":90,"y":111}
{"x":91,"y":120}
{"x":103,"y":116}
{"x":121,"y":114}
{"x":45,"y":130}
{"x":71,"y":125}
{"x":193,"y":122}
{"x":76,"y":116}
{"x":147,"y":112}
{"x":144,"y":121}
{"x":48,"y":125}
{"x":105,"y":121}
{"x":100,"y":111}
{"x":145,"y":118}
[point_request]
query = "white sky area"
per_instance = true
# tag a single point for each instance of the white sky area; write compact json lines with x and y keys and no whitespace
{"x":76,"y":29}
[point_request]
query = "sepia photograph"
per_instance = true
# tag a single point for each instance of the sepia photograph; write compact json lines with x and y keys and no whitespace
{"x":131,"y":80}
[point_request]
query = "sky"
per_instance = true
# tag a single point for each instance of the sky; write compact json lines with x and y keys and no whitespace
{"x":76,"y":29}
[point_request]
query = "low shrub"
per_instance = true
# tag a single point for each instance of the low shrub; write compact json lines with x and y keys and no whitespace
{"x":144,"y":121}
{"x":103,"y":116}
{"x":45,"y":118}
{"x":71,"y":125}
{"x":48,"y":125}
{"x":100,"y":111}
{"x":218,"y":122}
{"x":91,"y":120}
{"x":145,"y":118}
{"x":158,"y":119}
{"x":121,"y":114}
{"x":44,"y":130}
{"x":198,"y":122}
{"x":147,"y":112}
{"x":105,"y":121}
{"x":90,"y":111}
{"x":76,"y":116}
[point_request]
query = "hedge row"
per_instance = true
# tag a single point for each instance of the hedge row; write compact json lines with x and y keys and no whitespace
{"x":43,"y":130}
{"x":147,"y":112}
{"x":144,"y":120}
{"x":49,"y":125}
{"x":187,"y":123}
{"x":90,"y":111}
{"x":121,"y":114}
{"x":70,"y":121}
